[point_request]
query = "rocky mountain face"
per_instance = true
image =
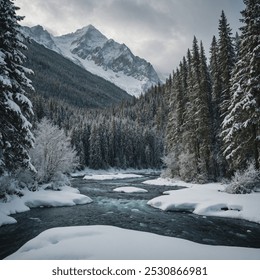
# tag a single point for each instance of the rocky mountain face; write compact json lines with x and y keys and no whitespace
{"x":59,"y":79}
{"x":104,"y":57}
{"x":41,"y":36}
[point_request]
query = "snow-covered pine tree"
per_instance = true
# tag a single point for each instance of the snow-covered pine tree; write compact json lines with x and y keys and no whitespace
{"x":226,"y":60}
{"x":95,"y":152}
{"x":112,"y":136}
{"x":15,"y":108}
{"x":197,"y":110}
{"x":241,"y":126}
{"x":174,"y":127}
{"x":171,"y":118}
{"x":193,"y":140}
{"x":205,"y":126}
{"x":187,"y":160}
{"x":215,"y":73}
{"x":237,"y":45}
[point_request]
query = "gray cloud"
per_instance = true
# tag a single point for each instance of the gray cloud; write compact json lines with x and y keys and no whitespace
{"x":159,"y":31}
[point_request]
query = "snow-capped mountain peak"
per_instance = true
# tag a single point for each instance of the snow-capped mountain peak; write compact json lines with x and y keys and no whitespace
{"x":41,"y":36}
{"x":85,"y":38}
{"x":92,"y":50}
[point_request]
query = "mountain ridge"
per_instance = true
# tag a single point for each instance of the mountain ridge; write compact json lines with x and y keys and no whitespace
{"x":59,"y":78}
{"x":104,"y":57}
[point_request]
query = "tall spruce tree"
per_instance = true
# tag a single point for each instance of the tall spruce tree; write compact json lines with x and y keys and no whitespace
{"x":205,"y":127}
{"x":241,"y":126}
{"x":237,"y":45}
{"x":215,"y":74}
{"x":226,"y":60}
{"x":15,"y":108}
{"x":95,"y":151}
{"x":194,"y":94}
{"x":174,"y":127}
{"x":188,"y":159}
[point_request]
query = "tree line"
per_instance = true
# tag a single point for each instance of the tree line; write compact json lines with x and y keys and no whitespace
{"x":214,"y":117}
{"x":203,"y":122}
{"x":128,"y":135}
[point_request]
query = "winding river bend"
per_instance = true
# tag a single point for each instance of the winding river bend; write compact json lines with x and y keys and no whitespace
{"x":128,"y":211}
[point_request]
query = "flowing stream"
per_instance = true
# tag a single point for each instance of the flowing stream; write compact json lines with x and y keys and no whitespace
{"x":128,"y":211}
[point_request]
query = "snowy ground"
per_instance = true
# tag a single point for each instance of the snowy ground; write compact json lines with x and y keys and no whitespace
{"x":207,"y":199}
{"x":107,"y":242}
{"x":113,"y":243}
{"x":66,"y":196}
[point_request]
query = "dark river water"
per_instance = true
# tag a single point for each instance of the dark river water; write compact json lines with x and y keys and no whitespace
{"x":128,"y":211}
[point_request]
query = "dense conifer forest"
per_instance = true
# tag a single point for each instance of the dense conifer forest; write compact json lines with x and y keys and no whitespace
{"x":202,"y":124}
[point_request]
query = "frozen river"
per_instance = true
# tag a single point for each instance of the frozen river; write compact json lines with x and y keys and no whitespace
{"x":128,"y":211}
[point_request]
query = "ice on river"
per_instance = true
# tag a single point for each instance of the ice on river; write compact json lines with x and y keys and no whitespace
{"x":207,"y":199}
{"x":113,"y":243}
{"x":66,"y":196}
{"x":130,"y":190}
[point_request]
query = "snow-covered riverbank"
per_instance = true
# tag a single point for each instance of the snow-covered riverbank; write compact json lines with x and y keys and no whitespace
{"x":65,"y":196}
{"x":113,"y":243}
{"x":207,"y":200}
{"x":201,"y":199}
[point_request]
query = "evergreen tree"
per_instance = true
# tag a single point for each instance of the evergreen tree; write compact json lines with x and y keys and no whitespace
{"x":237,"y":45}
{"x":200,"y":98}
{"x":241,"y":126}
{"x":112,"y":135}
{"x":226,"y":60}
{"x":189,"y":130}
{"x":205,"y":128}
{"x":195,"y":97}
{"x":188,"y":160}
{"x":15,"y":108}
{"x":215,"y":73}
{"x":95,"y":151}
{"x":173,"y":137}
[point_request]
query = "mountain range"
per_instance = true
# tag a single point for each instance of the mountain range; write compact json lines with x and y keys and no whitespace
{"x":59,"y":79}
{"x":91,"y":50}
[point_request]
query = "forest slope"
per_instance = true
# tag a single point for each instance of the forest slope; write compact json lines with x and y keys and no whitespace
{"x":61,"y":79}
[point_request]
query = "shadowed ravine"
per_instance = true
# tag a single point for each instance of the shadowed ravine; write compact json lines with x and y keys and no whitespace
{"x":128,"y":211}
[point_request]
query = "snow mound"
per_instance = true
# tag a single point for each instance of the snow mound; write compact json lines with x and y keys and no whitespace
{"x":110,"y":176}
{"x":112,"y":243}
{"x":130,"y":190}
{"x":6,"y":220}
{"x":208,"y":200}
{"x":66,"y":196}
{"x":45,"y":198}
{"x":163,"y":182}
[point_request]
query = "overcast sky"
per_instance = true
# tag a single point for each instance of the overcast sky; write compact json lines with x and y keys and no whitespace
{"x":160,"y":31}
